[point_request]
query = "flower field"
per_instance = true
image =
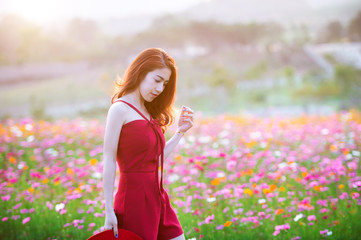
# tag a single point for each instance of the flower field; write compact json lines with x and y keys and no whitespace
{"x":228,"y":178}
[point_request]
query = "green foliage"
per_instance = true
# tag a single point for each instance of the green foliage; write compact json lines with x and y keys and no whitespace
{"x":220,"y":76}
{"x":37,"y":108}
{"x":349,"y":79}
{"x":256,"y":71}
{"x":289,"y":73}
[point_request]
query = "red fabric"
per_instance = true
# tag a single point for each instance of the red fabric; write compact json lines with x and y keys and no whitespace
{"x":141,"y":204}
{"x":109,"y":235}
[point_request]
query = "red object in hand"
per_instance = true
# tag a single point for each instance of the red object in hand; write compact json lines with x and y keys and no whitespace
{"x":109,"y":235}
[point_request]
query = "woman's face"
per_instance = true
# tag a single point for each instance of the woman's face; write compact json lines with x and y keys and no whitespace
{"x":154,"y":83}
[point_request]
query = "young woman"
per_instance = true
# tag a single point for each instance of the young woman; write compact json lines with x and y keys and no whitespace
{"x":141,"y":111}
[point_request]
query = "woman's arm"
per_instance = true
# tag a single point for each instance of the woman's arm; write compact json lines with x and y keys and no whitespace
{"x":114,"y":123}
{"x":185,"y":122}
{"x":171,"y":144}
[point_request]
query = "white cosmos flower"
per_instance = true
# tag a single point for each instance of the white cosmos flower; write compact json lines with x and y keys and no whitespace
{"x":28,"y":127}
{"x":59,"y":206}
{"x":255,"y":135}
{"x":220,"y":174}
{"x":356,"y":153}
{"x":282,"y":165}
{"x":298,"y":217}
{"x":21,"y":165}
{"x":205,"y":139}
{"x":96,"y":175}
{"x":277,"y":153}
{"x":30,"y":138}
{"x":173,"y":177}
{"x":324,"y":131}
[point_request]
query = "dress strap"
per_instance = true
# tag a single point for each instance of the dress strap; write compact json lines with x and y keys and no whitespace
{"x":136,"y":110}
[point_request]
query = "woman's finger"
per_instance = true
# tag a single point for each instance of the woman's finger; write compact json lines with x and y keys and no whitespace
{"x":190,"y":121}
{"x":187,"y":114}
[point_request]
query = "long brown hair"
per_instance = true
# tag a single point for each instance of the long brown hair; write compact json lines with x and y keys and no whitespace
{"x":161,"y":108}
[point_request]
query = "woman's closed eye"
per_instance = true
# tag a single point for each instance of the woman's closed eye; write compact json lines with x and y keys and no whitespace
{"x":158,"y":81}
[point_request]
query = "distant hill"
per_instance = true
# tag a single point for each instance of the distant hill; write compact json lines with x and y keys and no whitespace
{"x":235,"y":11}
{"x":283,"y":11}
{"x":231,"y":11}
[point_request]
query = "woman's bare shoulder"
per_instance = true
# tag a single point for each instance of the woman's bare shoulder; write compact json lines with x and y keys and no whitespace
{"x":118,"y":110}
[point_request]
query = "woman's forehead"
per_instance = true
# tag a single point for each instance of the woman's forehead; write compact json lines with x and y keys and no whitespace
{"x":163,"y":73}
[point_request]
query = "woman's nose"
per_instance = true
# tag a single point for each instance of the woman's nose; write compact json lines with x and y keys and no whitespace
{"x":159,"y":87}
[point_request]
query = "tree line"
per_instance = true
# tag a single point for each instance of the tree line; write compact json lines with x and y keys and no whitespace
{"x":81,"y":39}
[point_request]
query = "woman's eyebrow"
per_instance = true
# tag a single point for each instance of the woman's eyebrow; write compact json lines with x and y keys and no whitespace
{"x":162,"y":78}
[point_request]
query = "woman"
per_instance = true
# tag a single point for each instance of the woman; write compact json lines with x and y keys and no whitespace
{"x":140,"y":113}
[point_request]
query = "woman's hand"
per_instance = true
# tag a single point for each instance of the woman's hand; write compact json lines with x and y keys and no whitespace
{"x":111,"y":222}
{"x":185,"y":121}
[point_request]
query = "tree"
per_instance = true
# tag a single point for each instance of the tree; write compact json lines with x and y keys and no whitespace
{"x":83,"y":31}
{"x":223,"y":84}
{"x":354,"y":28}
{"x":333,"y":32}
{"x":220,"y":77}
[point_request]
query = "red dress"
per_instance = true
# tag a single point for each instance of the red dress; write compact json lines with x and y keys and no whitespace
{"x":141,"y":205}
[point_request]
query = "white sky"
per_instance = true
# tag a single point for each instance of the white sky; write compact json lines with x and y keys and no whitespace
{"x":50,"y":10}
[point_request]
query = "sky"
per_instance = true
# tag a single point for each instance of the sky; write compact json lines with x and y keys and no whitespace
{"x":41,"y":11}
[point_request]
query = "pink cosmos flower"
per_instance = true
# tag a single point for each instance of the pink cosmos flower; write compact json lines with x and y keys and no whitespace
{"x":343,"y":195}
{"x":49,"y":205}
{"x":322,"y":203}
{"x":311,"y":218}
{"x":209,"y":219}
{"x":324,"y":210}
{"x":5,"y":198}
{"x":25,"y":220}
{"x":324,"y":232}
{"x":17,"y":206}
{"x":261,"y":214}
{"x":24,"y":210}
{"x":275,"y":233}
{"x":355,"y":195}
{"x":220,"y":227}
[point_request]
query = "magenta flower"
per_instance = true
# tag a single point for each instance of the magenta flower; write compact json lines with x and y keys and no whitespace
{"x":275,"y":233}
{"x":343,"y":195}
{"x":220,"y":227}
{"x":311,"y":218}
{"x":324,"y":232}
{"x":25,"y":220}
{"x":355,"y":195}
{"x":49,"y":205}
{"x":322,"y":203}
{"x":209,"y":219}
{"x":24,"y":210}
{"x":5,"y":198}
{"x":324,"y":210}
{"x":17,"y":206}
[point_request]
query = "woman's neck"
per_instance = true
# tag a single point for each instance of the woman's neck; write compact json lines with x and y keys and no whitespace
{"x":135,"y":98}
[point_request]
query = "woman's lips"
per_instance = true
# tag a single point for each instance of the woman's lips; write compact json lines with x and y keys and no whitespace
{"x":154,"y":95}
